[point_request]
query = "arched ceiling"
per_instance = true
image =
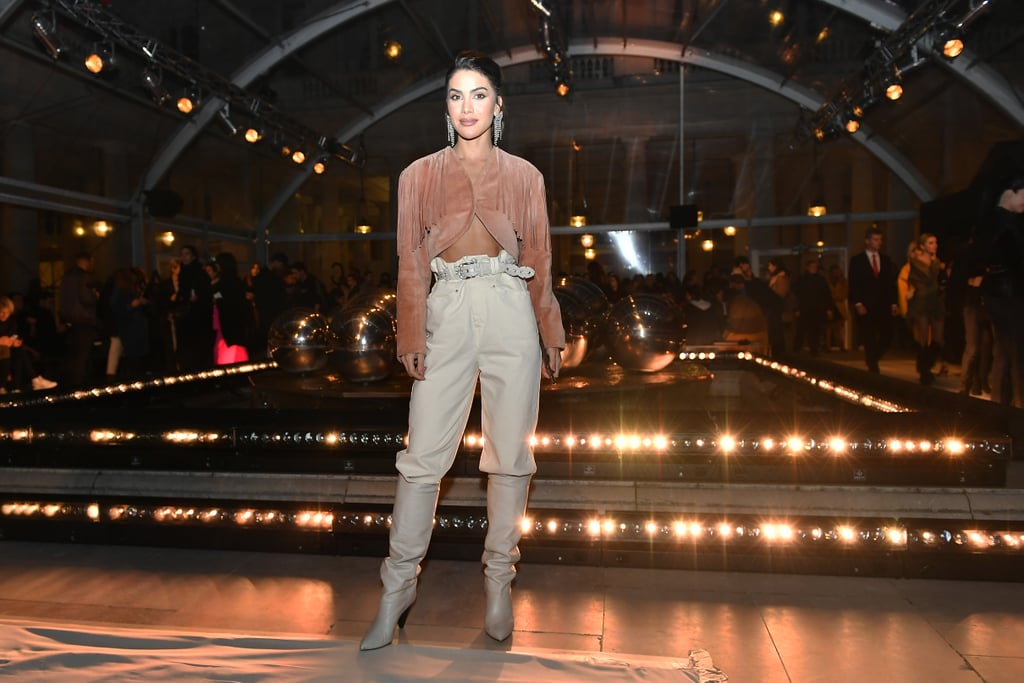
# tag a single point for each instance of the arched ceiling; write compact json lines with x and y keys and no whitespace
{"x":322,"y":60}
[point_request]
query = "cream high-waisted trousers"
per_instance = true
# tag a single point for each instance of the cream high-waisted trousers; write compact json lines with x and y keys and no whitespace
{"x":483,"y":326}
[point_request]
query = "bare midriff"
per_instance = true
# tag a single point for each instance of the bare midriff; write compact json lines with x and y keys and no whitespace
{"x":476,"y":240}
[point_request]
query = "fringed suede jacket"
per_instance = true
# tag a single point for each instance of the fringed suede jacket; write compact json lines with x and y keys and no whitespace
{"x":436,"y":204}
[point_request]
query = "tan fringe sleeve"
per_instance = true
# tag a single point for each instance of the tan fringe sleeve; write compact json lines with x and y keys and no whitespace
{"x":535,"y":231}
{"x":413,"y":263}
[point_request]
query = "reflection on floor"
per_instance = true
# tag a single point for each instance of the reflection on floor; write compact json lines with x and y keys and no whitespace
{"x":757,"y":627}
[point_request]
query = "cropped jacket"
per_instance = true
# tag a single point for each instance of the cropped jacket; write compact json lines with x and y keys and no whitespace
{"x":436,"y":205}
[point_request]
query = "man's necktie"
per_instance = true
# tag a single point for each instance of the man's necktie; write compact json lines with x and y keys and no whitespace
{"x":874,"y":264}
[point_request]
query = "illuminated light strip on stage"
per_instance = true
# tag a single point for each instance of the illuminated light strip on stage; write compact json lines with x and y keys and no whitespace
{"x":888,"y":534}
{"x":671,"y":532}
{"x":614,"y":443}
{"x":725,"y":444}
{"x":33,"y":399}
{"x":843,"y":392}
{"x":170,"y":514}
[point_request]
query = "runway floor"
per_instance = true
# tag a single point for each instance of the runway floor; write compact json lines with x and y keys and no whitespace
{"x":757,"y":627}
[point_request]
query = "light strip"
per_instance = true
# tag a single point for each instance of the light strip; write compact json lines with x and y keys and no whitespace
{"x":681,"y":532}
{"x":129,"y":387}
{"x":846,"y":393}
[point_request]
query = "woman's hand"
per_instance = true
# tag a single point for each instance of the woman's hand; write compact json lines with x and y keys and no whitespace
{"x":413,"y":363}
{"x":552,"y":362}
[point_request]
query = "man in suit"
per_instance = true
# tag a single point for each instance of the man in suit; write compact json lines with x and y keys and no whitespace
{"x":872,"y":297}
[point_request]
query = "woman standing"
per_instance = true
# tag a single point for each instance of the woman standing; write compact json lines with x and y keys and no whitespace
{"x":926,"y":311}
{"x":475,"y":218}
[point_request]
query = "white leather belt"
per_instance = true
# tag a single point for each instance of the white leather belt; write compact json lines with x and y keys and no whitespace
{"x":469,"y":267}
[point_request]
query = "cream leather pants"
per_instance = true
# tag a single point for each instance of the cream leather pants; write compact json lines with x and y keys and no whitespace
{"x":480,"y":327}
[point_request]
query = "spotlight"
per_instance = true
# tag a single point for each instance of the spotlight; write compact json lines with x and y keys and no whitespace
{"x":189,"y":100}
{"x":894,"y":91}
{"x":298,"y":156}
{"x":46,"y":33}
{"x":253,"y":134}
{"x":166,"y":238}
{"x":952,"y":48}
{"x":578,"y":221}
{"x":587,"y":240}
{"x":949,"y":42}
{"x":561,"y":87}
{"x":776,"y":17}
{"x":225,"y":117}
{"x":154,"y":83}
{"x":392,"y":50}
{"x":852,"y":125}
{"x":707,"y":245}
{"x":729,"y":230}
{"x":101,"y":59}
{"x":319,"y":167}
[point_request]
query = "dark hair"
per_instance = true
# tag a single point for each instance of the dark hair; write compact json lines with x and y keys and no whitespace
{"x":873,"y":230}
{"x":1015,"y":182}
{"x":227,"y":264}
{"x":192,"y":250}
{"x":478,"y":62}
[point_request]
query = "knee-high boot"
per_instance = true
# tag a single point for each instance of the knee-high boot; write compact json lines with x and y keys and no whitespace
{"x":412,"y":522}
{"x":506,"y":505}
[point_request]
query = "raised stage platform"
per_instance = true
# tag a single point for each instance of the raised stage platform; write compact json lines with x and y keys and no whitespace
{"x":723,"y":460}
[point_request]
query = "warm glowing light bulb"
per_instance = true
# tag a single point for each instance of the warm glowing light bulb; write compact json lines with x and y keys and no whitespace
{"x":298,"y":156}
{"x":254,"y":135}
{"x":951,"y":48}
{"x":185,"y":105}
{"x":776,"y":17}
{"x":94,"y":62}
{"x":894,"y":91}
{"x":707,"y":245}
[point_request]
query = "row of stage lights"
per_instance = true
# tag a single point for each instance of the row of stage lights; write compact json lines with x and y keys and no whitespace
{"x":794,"y":445}
{"x":928,"y":29}
{"x":265,"y":125}
{"x":781,"y":531}
{"x":124,"y":388}
{"x":846,"y":393}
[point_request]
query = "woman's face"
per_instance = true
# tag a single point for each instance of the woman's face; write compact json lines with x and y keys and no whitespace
{"x":931,"y":245}
{"x":472,"y":103}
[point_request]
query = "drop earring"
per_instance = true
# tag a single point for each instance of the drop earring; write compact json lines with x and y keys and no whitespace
{"x":451,"y":130}
{"x":496,"y":127}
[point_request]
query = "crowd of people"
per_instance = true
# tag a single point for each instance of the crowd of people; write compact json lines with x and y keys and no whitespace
{"x":130,"y":325}
{"x":207,"y":313}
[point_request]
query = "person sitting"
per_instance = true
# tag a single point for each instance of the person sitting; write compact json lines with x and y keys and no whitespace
{"x":20,"y":371}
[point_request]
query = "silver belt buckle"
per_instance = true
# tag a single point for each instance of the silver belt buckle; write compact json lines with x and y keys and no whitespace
{"x":467,"y":270}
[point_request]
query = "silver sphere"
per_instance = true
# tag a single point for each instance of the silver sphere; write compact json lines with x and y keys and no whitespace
{"x":299,"y":341}
{"x":645,"y":332}
{"x":382,"y":298}
{"x":584,"y":309}
{"x":364,"y":343}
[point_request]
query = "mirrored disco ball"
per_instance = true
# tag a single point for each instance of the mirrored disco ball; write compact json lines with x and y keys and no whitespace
{"x":364,"y":343}
{"x":584,"y":309}
{"x":299,"y":340}
{"x":645,"y":332}
{"x":382,"y":298}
